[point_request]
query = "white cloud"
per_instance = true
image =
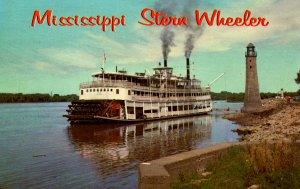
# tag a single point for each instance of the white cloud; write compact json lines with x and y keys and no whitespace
{"x":143,"y":44}
{"x":70,"y":57}
{"x":284,"y":27}
{"x":44,"y":66}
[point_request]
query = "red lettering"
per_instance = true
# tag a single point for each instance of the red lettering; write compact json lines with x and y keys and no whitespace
{"x":91,"y":21}
{"x":98,"y":19}
{"x":181,"y":21}
{"x":263,"y":20}
{"x":143,"y":14}
{"x":123,"y":20}
{"x":229,"y":21}
{"x":76,"y":20}
{"x":54,"y":20}
{"x":161,"y":19}
{"x":115,"y":22}
{"x":238,"y":21}
{"x":199,"y":19}
{"x":246,"y":17}
{"x":65,"y":21}
{"x":37,"y":17}
{"x":104,"y":23}
{"x":83,"y":23}
{"x":166,"y":21}
{"x":254,"y":22}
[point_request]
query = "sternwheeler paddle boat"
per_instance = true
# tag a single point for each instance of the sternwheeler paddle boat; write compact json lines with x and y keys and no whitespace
{"x":123,"y":97}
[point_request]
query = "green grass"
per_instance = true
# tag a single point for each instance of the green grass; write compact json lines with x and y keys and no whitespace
{"x":240,"y":169}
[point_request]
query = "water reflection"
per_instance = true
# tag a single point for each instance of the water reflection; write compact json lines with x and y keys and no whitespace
{"x":117,"y":150}
{"x":93,"y":156}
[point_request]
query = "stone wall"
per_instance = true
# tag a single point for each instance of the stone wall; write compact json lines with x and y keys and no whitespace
{"x":161,"y":172}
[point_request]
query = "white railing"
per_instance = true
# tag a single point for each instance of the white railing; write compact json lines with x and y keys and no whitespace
{"x":134,"y":86}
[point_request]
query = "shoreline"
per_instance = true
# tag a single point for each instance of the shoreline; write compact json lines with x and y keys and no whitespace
{"x":279,"y":120}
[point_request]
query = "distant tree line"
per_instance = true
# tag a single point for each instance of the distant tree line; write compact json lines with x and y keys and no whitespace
{"x":19,"y":97}
{"x":297,"y":80}
{"x":239,"y":97}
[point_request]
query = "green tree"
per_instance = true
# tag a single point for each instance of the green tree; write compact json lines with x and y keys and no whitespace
{"x":298,"y":78}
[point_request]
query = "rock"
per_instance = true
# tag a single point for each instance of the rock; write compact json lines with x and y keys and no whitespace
{"x":278,"y":121}
{"x":244,"y":131}
{"x":197,"y":181}
{"x":205,"y":174}
{"x":254,"y":186}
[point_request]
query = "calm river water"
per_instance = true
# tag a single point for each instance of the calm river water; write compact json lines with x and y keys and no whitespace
{"x":40,"y":149}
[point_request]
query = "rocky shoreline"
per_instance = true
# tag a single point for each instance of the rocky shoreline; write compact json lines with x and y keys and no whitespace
{"x":278,"y":120}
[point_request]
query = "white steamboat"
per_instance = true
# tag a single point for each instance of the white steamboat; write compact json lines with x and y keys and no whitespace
{"x":123,"y":97}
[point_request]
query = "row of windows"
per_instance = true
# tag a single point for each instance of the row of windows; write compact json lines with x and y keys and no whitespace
{"x":130,"y":110}
{"x":185,"y":107}
{"x":100,"y":90}
{"x":142,"y":93}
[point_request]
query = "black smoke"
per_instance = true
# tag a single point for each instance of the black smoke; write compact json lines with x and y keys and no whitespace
{"x":194,"y":31}
{"x":167,"y":39}
{"x":167,"y":34}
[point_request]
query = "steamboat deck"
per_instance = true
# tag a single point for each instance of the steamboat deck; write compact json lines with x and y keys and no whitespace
{"x":122,"y":97}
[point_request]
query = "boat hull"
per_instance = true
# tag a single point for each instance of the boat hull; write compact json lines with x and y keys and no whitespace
{"x":99,"y":119}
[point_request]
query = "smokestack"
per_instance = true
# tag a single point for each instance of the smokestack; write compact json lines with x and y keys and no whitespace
{"x":188,"y":69}
{"x":165,"y":63}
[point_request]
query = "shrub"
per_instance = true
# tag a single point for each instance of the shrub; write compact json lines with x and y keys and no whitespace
{"x":266,"y":157}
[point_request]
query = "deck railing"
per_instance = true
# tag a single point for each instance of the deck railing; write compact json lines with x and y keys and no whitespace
{"x":169,"y":99}
{"x":134,"y":86}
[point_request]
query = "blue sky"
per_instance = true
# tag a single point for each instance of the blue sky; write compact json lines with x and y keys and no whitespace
{"x":44,"y":59}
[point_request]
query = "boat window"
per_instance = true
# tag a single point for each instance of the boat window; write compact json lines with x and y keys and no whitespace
{"x":155,"y":111}
{"x":94,"y":90}
{"x":111,"y":90}
{"x":100,"y":90}
{"x":174,"y":108}
{"x":104,"y":90}
{"x":81,"y":92}
{"x":90,"y":90}
{"x":97,"y":90}
{"x":117,"y":91}
{"x":130,"y":110}
{"x":128,"y":92}
{"x":87,"y":90}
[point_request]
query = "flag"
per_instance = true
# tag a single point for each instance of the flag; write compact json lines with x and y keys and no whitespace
{"x":104,"y":57}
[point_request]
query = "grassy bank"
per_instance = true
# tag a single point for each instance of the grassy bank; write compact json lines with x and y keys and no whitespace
{"x":267,"y":165}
